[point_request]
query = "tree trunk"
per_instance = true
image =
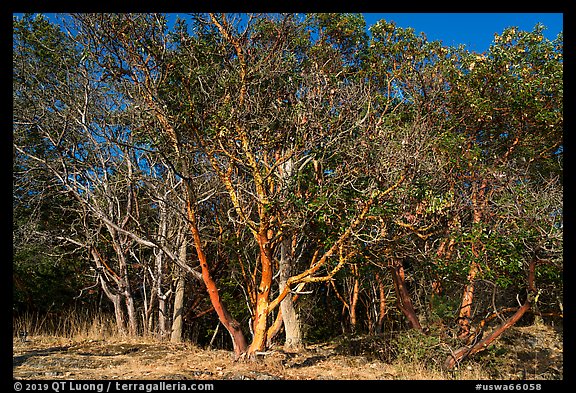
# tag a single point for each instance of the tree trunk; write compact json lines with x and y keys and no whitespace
{"x":382,"y":308}
{"x":162,"y":235}
{"x":162,"y":320}
{"x":354,"y":298}
{"x":149,"y":307}
{"x":465,"y":314}
{"x":290,"y":318}
{"x":114,"y":296}
{"x":118,"y":312}
{"x":124,"y":282}
{"x":263,"y":295}
{"x":231,"y":325}
{"x":177,"y":317}
{"x":289,"y":315}
{"x":464,"y":352}
{"x":132,"y":321}
{"x":126,"y":291}
{"x":162,"y":330}
{"x":404,"y":301}
{"x":275,"y":328}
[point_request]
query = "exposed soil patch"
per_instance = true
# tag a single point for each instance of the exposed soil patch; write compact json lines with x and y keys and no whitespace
{"x":523,"y":353}
{"x":528,"y":352}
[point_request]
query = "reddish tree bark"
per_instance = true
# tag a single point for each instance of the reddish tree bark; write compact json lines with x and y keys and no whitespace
{"x":465,"y":313}
{"x":465,"y":352}
{"x":263,"y":295}
{"x":354,"y":298}
{"x":404,"y":301}
{"x":478,"y":204}
{"x":233,"y":327}
{"x":382,"y":301}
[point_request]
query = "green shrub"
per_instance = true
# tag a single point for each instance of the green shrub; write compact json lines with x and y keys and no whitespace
{"x":413,"y":346}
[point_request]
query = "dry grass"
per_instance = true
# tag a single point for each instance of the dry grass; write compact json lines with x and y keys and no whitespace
{"x":45,"y":357}
{"x":82,"y":346}
{"x":419,"y":371}
{"x":52,"y":357}
{"x":68,"y":324}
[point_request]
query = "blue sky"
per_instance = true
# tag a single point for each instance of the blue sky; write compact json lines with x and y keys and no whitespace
{"x":475,"y":30}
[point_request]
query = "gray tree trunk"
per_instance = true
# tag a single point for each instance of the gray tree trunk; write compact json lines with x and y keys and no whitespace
{"x":162,"y":234}
{"x":118,"y":312}
{"x":289,"y":315}
{"x":177,"y":321}
{"x":114,"y":297}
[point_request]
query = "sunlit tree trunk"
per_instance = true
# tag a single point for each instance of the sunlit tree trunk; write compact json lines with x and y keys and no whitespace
{"x":290,"y":317}
{"x":262,"y":296}
{"x":231,"y":325}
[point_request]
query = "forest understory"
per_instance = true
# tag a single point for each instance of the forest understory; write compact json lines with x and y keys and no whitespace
{"x":532,"y":352}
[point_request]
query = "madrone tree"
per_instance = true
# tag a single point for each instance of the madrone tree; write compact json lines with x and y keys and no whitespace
{"x":283,"y":121}
{"x":505,"y":122}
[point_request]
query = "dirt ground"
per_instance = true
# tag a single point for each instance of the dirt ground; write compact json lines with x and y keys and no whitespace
{"x":62,"y":359}
{"x":533,"y":352}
